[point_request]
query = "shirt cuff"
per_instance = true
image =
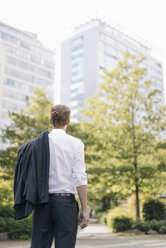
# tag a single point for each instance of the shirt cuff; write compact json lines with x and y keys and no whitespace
{"x":80,"y":183}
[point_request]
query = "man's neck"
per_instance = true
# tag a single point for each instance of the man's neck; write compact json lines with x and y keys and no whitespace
{"x":63,"y":128}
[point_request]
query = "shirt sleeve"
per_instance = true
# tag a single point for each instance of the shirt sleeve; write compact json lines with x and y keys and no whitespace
{"x":79,"y":167}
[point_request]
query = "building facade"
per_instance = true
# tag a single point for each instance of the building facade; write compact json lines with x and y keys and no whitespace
{"x":24,"y":64}
{"x":96,"y":46}
{"x":1,"y":75}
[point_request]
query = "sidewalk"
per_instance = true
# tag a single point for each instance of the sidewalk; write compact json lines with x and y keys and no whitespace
{"x":99,"y":236}
{"x":94,"y":229}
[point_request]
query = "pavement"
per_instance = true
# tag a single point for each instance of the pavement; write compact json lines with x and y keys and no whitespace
{"x":99,"y":236}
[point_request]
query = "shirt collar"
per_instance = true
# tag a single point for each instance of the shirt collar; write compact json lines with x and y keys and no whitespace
{"x":57,"y":130}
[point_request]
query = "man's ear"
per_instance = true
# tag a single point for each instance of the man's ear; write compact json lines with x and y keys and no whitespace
{"x":68,"y":122}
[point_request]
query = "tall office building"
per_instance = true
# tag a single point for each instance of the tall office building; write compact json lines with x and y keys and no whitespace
{"x":1,"y":75}
{"x":24,"y":63}
{"x":96,"y":46}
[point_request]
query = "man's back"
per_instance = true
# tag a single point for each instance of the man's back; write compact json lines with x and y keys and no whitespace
{"x":67,"y":167}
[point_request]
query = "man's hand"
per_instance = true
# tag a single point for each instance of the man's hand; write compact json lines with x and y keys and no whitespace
{"x":84,"y":218}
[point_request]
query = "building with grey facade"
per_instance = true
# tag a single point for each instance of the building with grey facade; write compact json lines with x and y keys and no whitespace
{"x":1,"y":75}
{"x":96,"y":46}
{"x":24,"y":63}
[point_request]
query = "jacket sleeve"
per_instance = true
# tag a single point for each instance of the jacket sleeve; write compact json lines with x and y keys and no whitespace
{"x":17,"y":175}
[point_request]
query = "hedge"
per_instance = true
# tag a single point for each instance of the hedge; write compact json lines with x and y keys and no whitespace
{"x":154,"y":209}
{"x":17,"y":229}
{"x":117,"y":213}
{"x":145,"y":226}
{"x":122,"y":223}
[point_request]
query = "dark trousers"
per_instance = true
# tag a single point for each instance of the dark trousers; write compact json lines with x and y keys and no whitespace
{"x":57,"y":219}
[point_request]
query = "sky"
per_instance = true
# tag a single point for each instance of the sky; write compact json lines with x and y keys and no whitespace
{"x":55,"y":20}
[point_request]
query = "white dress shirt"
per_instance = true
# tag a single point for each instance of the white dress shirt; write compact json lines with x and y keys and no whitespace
{"x":67,"y":166}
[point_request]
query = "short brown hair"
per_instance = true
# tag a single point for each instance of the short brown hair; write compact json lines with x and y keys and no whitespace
{"x":60,"y":115}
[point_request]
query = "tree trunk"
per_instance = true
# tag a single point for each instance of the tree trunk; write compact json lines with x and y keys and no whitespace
{"x":106,"y":204}
{"x":135,"y":163}
{"x":137,"y":202}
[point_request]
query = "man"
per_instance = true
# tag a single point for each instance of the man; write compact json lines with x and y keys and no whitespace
{"x":59,"y":217}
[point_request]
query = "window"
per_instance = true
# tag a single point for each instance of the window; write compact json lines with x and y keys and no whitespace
{"x":8,"y":37}
{"x":35,"y":59}
{"x":76,"y":79}
{"x":25,"y":45}
{"x":80,"y":47}
{"x":76,"y":85}
{"x":74,"y":73}
{"x":159,"y":65}
{"x":77,"y":41}
{"x":79,"y":55}
{"x":10,"y":82}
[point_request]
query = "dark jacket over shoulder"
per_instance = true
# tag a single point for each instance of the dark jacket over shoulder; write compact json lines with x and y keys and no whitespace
{"x":31,"y":176}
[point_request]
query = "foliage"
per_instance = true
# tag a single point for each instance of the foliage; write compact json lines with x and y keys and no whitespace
{"x":3,"y":224}
{"x":142,"y":226}
{"x":102,"y":217}
{"x":122,"y":223}
{"x":154,"y":209}
{"x":17,"y":229}
{"x":117,"y":213}
{"x":130,"y":205}
{"x":162,"y":229}
{"x":25,"y":125}
{"x":6,"y":190}
{"x":126,"y":223}
{"x":6,"y":211}
{"x":126,"y":117}
{"x":145,"y":226}
{"x":20,"y":229}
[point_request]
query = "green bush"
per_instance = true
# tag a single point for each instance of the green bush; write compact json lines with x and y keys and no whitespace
{"x":6,"y":211}
{"x":142,"y":226}
{"x":121,"y":224}
{"x":3,"y":225}
{"x":162,"y":229}
{"x":154,"y":209}
{"x":19,"y":229}
{"x":116,"y":212}
{"x":145,"y":226}
{"x":155,"y":225}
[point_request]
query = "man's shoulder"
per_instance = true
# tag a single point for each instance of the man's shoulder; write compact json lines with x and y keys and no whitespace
{"x":26,"y":145}
{"x":30,"y":143}
{"x":75,"y":140}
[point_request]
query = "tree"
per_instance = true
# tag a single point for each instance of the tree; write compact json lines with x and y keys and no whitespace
{"x":25,"y":125}
{"x":127,"y":117}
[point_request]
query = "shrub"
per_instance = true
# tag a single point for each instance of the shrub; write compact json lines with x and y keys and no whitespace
{"x":116,"y":212}
{"x":155,"y":225}
{"x":153,"y":209}
{"x":145,"y":226}
{"x":3,"y":225}
{"x":142,"y":226}
{"x":122,"y":223}
{"x":6,"y":211}
{"x":19,"y":229}
{"x":162,"y":229}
